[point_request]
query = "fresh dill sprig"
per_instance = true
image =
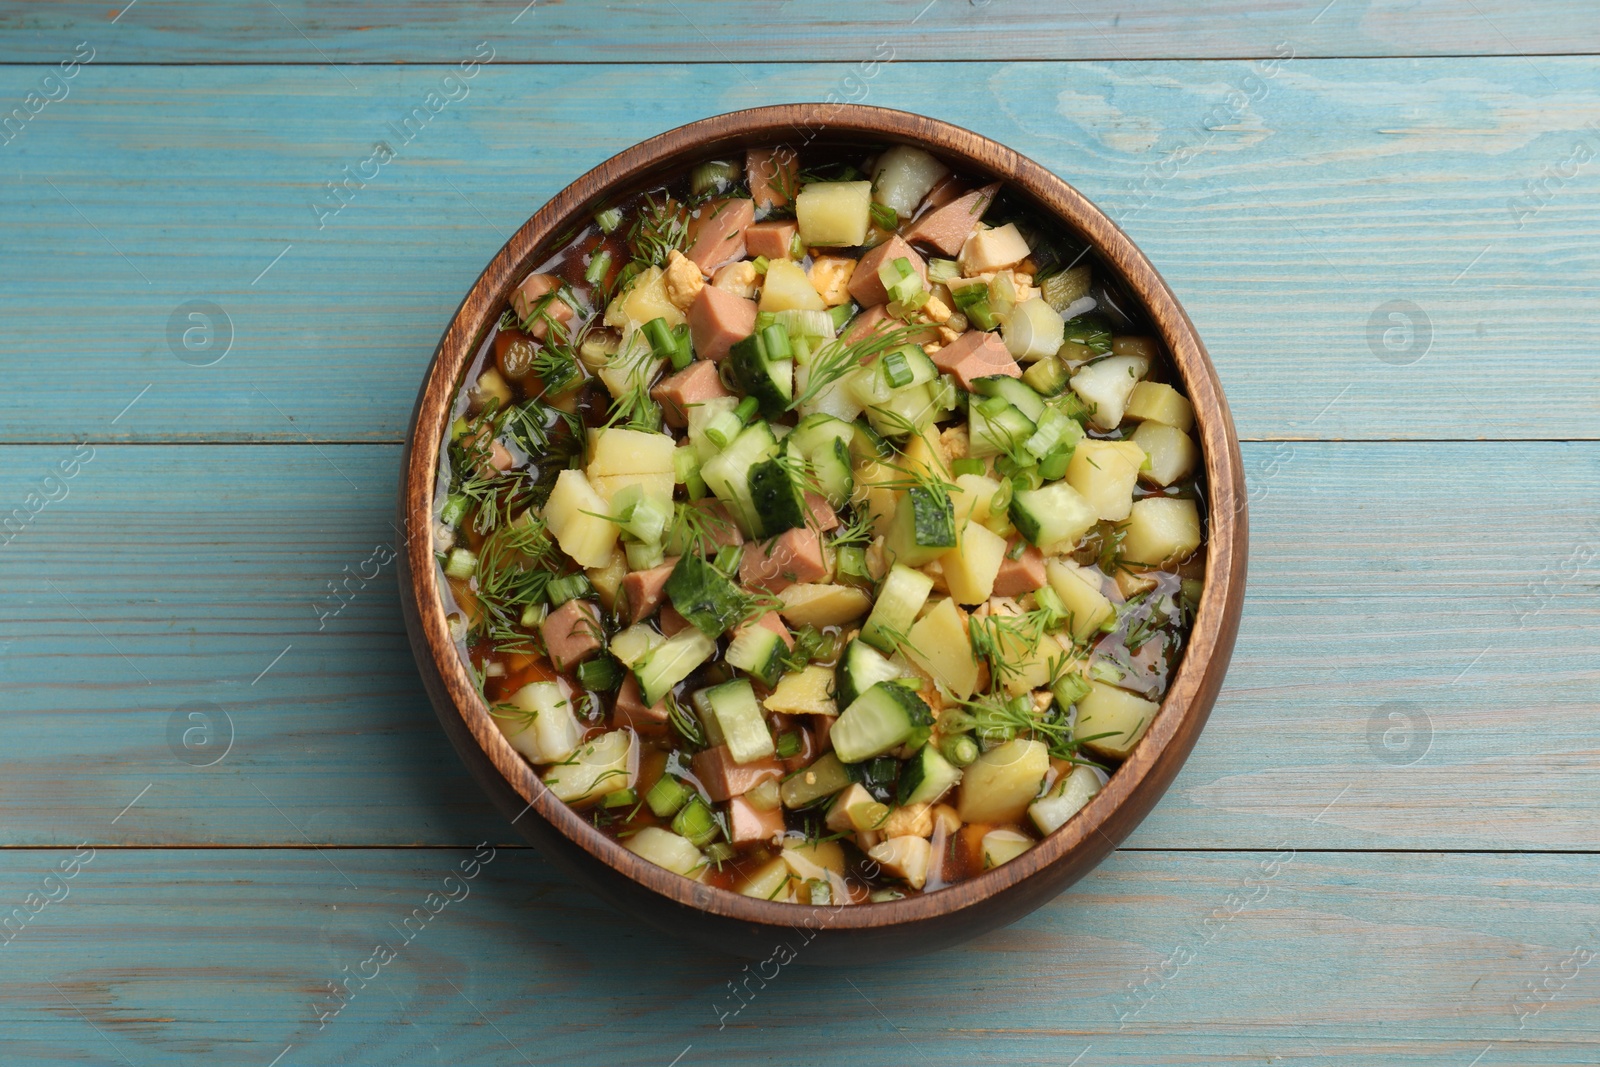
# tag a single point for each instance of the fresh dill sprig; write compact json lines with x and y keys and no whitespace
{"x":658,"y":230}
{"x":834,"y":360}
{"x":694,"y":529}
{"x":856,"y":531}
{"x":685,"y":722}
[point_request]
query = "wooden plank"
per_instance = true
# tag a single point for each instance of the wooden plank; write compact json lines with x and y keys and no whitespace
{"x":1288,"y":226}
{"x":176,"y":575}
{"x":1237,"y":958}
{"x":186,"y":31}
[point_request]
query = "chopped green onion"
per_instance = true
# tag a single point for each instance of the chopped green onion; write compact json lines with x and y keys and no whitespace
{"x":1054,"y":466}
{"x":967,"y":295}
{"x":667,"y":796}
{"x":727,"y":559}
{"x":967,"y":465}
{"x":620,"y":798}
{"x":599,"y":265}
{"x":944,"y":393}
{"x":713,"y":176}
{"x":959,"y":749}
{"x":696,"y":822}
{"x":842,"y":314}
{"x":746,"y":409}
{"x":1070,"y":688}
{"x":659,"y":334}
{"x":884,"y":896}
{"x":684,"y":464}
{"x":884,"y":216}
{"x":643,"y":555}
{"x":683,"y":349}
{"x":532,"y":616}
{"x":806,"y":323}
{"x":775,"y":342}
{"x":609,"y":219}
{"x":720,"y":852}
{"x":1050,"y":432}
{"x":797,"y":247}
{"x":455,"y":508}
{"x":461,"y":564}
{"x":760,"y":264}
{"x":819,"y":892}
{"x":1015,"y":552}
{"x":789,"y":744}
{"x":725,"y":425}
{"x":567,"y":587}
{"x":943,"y":270}
{"x":897,"y":370}
{"x":850,"y":566}
{"x":981,"y":316}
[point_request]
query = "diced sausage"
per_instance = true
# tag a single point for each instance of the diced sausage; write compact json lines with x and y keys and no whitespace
{"x":1021,"y":575}
{"x":866,"y":286}
{"x":694,"y":384}
{"x":770,"y":239}
{"x":877,"y":317}
{"x":976,"y":354}
{"x":631,"y":710}
{"x":643,"y":590}
{"x":572,"y":633}
{"x":526,"y":298}
{"x":771,"y":174}
{"x":947,"y":228}
{"x":821,"y":513}
{"x":670,"y":621}
{"x":793,"y":556}
{"x":717,"y":319}
{"x":724,"y":779}
{"x":716,"y":234}
{"x":748,"y":823}
{"x":948,"y":188}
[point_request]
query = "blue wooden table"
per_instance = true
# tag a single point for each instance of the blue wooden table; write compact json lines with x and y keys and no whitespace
{"x":221,"y":789}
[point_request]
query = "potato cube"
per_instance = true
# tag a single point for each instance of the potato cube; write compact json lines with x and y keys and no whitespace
{"x":938,"y":644}
{"x":1115,"y":718}
{"x":971,"y":567}
{"x":645,"y":299}
{"x":1160,"y":529}
{"x":1172,"y":453}
{"x":1106,"y":385}
{"x":1080,"y":590}
{"x":990,"y":250}
{"x":572,"y":516}
{"x":834,"y":214}
{"x":788,"y":289}
{"x":1160,"y":403}
{"x":822,"y":605}
{"x":1104,"y":473}
{"x":1001,"y":783}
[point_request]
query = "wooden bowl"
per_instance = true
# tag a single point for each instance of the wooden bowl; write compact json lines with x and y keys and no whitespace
{"x":723,"y":920}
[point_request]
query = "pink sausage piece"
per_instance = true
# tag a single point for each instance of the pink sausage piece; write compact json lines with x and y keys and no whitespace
{"x":694,"y":384}
{"x":793,"y":556}
{"x":866,"y":286}
{"x":643,"y":590}
{"x":631,"y":710}
{"x":526,"y":299}
{"x":947,"y":228}
{"x":1021,"y":575}
{"x":724,"y":779}
{"x":770,"y":239}
{"x":771,"y":173}
{"x":572,"y":633}
{"x":716,"y":233}
{"x":976,"y":354}
{"x":718,"y":319}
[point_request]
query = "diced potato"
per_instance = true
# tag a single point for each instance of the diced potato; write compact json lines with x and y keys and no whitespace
{"x":634,"y":642}
{"x":571,"y":514}
{"x":1122,"y":717}
{"x":904,"y":857}
{"x":1104,"y":473}
{"x":830,"y":277}
{"x":1160,"y":529}
{"x":809,"y":859}
{"x":643,"y":300}
{"x":1161,"y":403}
{"x":1106,"y":385}
{"x":913,"y":820}
{"x":804,"y":692}
{"x":1080,"y":590}
{"x":922,"y":455}
{"x":822,"y":605}
{"x":632,"y":363}
{"x":787,"y":288}
{"x":667,"y":849}
{"x":1028,"y":665}
{"x":856,"y":809}
{"x":972,"y":566}
{"x":903,"y":175}
{"x":1003,"y":846}
{"x":991,"y":249}
{"x":972,"y":497}
{"x":607,"y":579}
{"x":543,"y":726}
{"x":657,"y":486}
{"x":938,"y":644}
{"x":621,"y":451}
{"x":1172,"y":453}
{"x":1033,"y":330}
{"x":1065,"y":799}
{"x":608,"y":763}
{"x":834,"y":214}
{"x":1001,"y":783}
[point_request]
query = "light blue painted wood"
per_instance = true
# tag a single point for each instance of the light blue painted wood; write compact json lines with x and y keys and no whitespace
{"x":1446,"y":576}
{"x":210,"y":957}
{"x":297,"y":31}
{"x":1333,"y":189}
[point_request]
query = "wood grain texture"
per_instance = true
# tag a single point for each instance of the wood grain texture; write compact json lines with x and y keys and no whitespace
{"x":1286,"y":225}
{"x":1377,"y":579}
{"x":1328,"y":958}
{"x":297,"y":31}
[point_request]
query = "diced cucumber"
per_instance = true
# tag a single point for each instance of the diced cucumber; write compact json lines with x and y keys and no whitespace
{"x":994,"y":427}
{"x":881,"y":719}
{"x":761,"y":364}
{"x":823,"y":778}
{"x":907,"y":412}
{"x":727,"y":474}
{"x":775,"y":499}
{"x":666,"y":849}
{"x":1066,"y":798}
{"x":631,"y":644}
{"x":868,"y":443}
{"x":671,"y":662}
{"x":1047,"y":377}
{"x":902,"y":596}
{"x":924,"y":527}
{"x":667,"y":796}
{"x":927,"y":776}
{"x":740,"y":720}
{"x":860,"y":668}
{"x":831,"y":464}
{"x":814,"y":431}
{"x":1053,"y":517}
{"x":759,"y":652}
{"x":1014,"y":392}
{"x":704,"y":595}
{"x":604,"y":765}
{"x":701,"y":416}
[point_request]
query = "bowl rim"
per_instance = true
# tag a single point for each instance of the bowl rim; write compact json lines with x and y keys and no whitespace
{"x":1142,"y":777}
